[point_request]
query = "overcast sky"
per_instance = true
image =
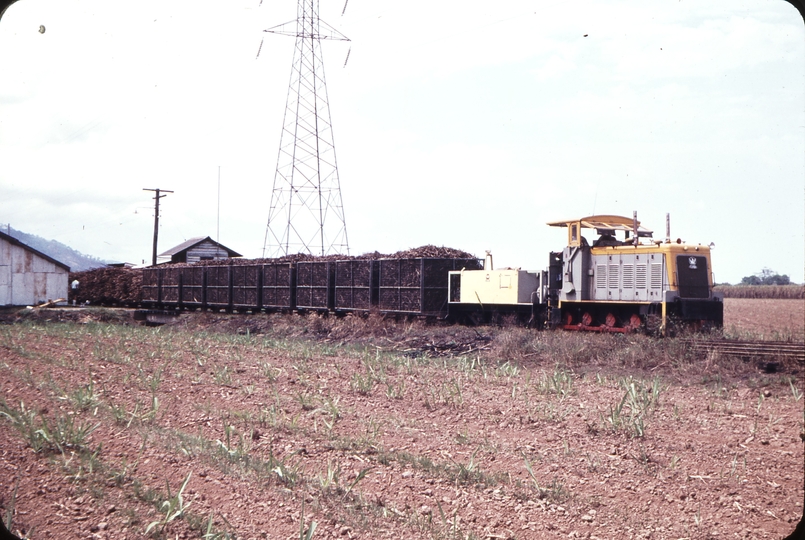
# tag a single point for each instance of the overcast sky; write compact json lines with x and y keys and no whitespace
{"x":459,"y":123}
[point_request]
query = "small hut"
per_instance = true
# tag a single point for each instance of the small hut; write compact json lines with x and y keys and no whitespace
{"x":197,"y":249}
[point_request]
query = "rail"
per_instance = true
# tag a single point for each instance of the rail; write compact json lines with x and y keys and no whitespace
{"x":751,"y":349}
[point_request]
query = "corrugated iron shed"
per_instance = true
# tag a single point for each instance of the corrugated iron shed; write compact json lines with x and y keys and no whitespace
{"x":27,"y":276}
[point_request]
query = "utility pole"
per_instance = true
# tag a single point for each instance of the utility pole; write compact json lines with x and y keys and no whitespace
{"x":156,"y":221}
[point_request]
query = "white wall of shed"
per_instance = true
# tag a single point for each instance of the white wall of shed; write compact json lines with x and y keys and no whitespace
{"x":206,"y":249}
{"x":28,"y":279}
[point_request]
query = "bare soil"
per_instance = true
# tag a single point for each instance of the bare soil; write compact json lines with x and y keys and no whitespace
{"x":387,"y":429}
{"x":765,"y":318}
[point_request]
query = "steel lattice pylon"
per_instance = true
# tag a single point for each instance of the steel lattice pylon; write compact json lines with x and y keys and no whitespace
{"x":306,"y":214}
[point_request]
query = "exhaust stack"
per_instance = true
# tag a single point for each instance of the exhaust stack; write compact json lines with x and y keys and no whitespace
{"x":488,"y":260}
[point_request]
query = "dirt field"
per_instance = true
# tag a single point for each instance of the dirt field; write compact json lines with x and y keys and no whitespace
{"x":765,"y":318}
{"x":354,"y":428}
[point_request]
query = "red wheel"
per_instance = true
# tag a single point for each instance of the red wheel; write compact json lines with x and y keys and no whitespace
{"x":586,"y":319}
{"x":610,"y":321}
{"x":634,"y":323}
{"x":568,"y":319}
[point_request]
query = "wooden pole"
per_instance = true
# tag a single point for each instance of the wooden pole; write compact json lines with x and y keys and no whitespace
{"x":156,"y":221}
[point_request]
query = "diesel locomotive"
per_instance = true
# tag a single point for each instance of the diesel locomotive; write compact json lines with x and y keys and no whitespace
{"x":621,"y":282}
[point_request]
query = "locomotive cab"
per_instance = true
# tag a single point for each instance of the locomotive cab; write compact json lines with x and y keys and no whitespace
{"x":624,"y":280}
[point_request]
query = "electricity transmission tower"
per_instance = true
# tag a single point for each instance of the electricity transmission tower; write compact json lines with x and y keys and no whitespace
{"x":306,"y":214}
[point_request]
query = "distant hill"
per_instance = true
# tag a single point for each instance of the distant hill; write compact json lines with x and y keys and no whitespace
{"x":76,"y":260}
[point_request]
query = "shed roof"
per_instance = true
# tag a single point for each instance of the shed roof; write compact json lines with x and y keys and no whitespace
{"x":188,"y":244}
{"x":16,"y":242}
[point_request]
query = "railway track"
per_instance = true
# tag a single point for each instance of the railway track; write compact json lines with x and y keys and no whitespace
{"x":761,"y":350}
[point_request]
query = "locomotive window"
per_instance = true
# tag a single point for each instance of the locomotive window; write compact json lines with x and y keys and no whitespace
{"x":455,"y":287}
{"x":574,"y":233}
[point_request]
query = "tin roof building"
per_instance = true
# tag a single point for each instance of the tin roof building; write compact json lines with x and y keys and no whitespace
{"x":27,"y":276}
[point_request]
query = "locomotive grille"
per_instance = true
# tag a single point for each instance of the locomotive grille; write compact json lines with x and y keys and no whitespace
{"x":641,"y":276}
{"x":601,"y":276}
{"x":628,"y":276}
{"x":614,"y":274}
{"x":693,"y":276}
{"x":656,"y":276}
